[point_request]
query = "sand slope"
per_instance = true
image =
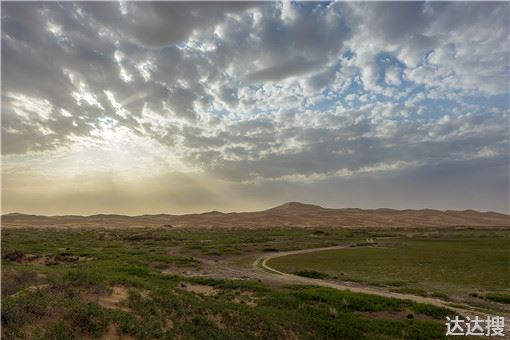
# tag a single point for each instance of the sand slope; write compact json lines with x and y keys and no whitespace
{"x":292,"y":214}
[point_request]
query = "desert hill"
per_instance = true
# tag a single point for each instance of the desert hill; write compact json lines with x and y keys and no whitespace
{"x":291,"y":214}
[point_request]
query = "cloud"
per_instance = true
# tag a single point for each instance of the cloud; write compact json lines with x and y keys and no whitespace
{"x":392,"y":76}
{"x":456,"y":185}
{"x":160,"y":24}
{"x":295,"y":67}
{"x":255,"y":92}
{"x":442,"y":44}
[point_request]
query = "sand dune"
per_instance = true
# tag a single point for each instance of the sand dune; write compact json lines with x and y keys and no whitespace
{"x":292,"y":214}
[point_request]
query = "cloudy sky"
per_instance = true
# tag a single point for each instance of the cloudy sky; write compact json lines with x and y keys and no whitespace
{"x":179,"y":107}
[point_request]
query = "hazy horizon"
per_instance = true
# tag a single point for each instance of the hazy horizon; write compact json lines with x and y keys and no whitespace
{"x":144,"y":108}
{"x":247,"y":211}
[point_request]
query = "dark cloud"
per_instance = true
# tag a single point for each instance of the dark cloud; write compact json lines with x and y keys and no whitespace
{"x":261,"y":92}
{"x":161,"y":24}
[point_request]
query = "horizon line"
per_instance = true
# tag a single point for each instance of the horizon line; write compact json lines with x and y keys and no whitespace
{"x":248,"y":211}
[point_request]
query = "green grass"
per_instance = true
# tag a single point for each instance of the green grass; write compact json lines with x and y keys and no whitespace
{"x":158,"y":305}
{"x":304,"y":310}
{"x":413,"y":291}
{"x":442,"y":266}
{"x":498,"y":297}
{"x":313,"y":274}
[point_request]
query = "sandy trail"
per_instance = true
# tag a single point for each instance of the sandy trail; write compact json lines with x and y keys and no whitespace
{"x":261,"y":265}
{"x":260,"y":270}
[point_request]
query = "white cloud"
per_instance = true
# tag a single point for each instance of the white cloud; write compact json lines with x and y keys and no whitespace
{"x":270,"y":91}
{"x":392,"y":76}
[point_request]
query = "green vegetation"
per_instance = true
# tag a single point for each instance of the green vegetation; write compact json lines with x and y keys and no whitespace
{"x":414,"y":291}
{"x":498,"y":297}
{"x":312,"y":274}
{"x":453,"y":264}
{"x":72,"y":284}
{"x":168,"y":311}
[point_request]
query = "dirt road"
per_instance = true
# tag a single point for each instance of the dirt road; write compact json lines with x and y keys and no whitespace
{"x":261,"y":265}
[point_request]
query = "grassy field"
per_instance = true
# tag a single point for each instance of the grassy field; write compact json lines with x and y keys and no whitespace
{"x":465,"y":265}
{"x":72,"y":284}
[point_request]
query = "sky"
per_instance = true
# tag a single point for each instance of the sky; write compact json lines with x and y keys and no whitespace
{"x":139,"y":107}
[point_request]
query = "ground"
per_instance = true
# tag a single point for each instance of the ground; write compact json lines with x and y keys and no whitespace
{"x":202,"y":283}
{"x":460,"y":267}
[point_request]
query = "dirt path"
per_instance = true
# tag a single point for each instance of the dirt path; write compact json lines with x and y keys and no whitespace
{"x":261,"y":265}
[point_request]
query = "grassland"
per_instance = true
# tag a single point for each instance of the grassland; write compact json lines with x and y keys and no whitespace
{"x":168,"y":283}
{"x":462,"y":265}
{"x":200,"y":283}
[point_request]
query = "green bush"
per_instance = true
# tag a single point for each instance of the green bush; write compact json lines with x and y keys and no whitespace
{"x":312,"y":274}
{"x":59,"y":331}
{"x":200,"y":328}
{"x":13,"y":256}
{"x":83,"y":277}
{"x":498,"y":297}
{"x":89,"y":318}
{"x":432,"y":311}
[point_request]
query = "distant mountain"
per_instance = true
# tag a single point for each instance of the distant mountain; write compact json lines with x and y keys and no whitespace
{"x":290,"y":214}
{"x":295,"y":207}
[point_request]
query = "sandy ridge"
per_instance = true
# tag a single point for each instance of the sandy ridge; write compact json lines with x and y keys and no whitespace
{"x":292,"y":214}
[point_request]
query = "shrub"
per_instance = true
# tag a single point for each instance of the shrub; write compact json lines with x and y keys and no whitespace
{"x":89,"y":317}
{"x":14,"y":256}
{"x":59,"y":331}
{"x":12,"y":314}
{"x":84,"y":278}
{"x":313,"y":274}
{"x":432,"y":311}
{"x":200,"y":328}
{"x":14,"y":281}
{"x":413,"y":291}
{"x":498,"y":297}
{"x":441,"y":296}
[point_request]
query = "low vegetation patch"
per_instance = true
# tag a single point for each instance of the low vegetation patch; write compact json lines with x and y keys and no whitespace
{"x":451,"y":265}
{"x":498,"y":297}
{"x":313,"y":274}
{"x":123,"y":293}
{"x":413,"y":291}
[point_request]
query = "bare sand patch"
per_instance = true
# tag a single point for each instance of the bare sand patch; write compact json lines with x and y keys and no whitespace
{"x":169,"y":324}
{"x":247,"y":298}
{"x":115,"y":300}
{"x":200,"y":289}
{"x":31,"y":289}
{"x":40,"y":276}
{"x":47,"y":259}
{"x":215,"y":319}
